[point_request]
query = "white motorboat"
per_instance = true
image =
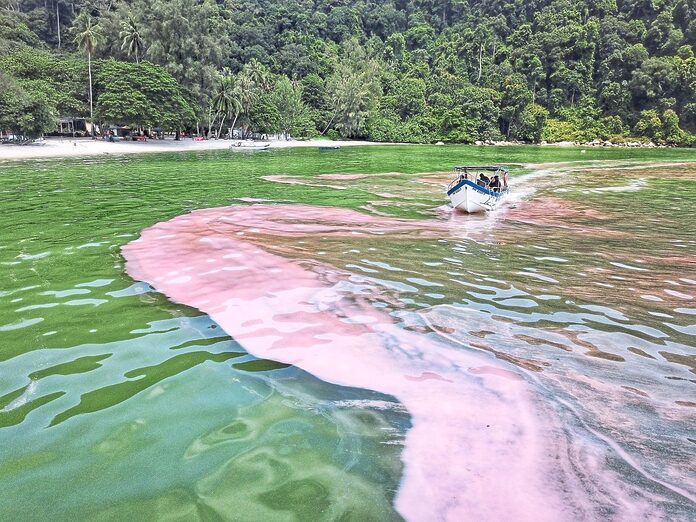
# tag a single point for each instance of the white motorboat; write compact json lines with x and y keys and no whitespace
{"x":249,"y":145}
{"x":478,"y":189}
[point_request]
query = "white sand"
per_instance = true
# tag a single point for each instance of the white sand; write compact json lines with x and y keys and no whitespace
{"x":69,"y":148}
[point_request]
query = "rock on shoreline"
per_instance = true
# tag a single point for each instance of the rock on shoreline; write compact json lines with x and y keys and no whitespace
{"x":593,"y":143}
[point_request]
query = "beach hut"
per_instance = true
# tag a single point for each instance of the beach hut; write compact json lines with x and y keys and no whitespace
{"x":69,"y":126}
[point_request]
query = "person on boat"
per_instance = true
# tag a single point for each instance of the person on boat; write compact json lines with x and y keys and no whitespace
{"x":483,"y":180}
{"x":495,"y":184}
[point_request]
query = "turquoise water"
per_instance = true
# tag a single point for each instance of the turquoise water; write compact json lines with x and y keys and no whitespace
{"x":116,"y":402}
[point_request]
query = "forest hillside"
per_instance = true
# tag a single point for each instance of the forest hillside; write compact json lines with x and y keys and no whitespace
{"x":387,"y":70}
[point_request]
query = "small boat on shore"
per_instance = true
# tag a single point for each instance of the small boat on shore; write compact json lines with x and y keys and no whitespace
{"x":249,"y":145}
{"x":329,"y":147}
{"x":478,"y":189}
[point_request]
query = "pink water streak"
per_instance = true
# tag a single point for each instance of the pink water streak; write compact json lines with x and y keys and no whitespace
{"x":482,"y":447}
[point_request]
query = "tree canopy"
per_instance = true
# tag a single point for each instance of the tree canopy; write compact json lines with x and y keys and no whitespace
{"x":140,"y":95}
{"x":399,"y":70}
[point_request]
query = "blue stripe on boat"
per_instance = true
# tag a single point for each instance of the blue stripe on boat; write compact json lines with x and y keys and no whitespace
{"x":473,"y":185}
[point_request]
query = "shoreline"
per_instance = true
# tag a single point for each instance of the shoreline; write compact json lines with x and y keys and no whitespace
{"x":62,"y":148}
{"x":67,"y":148}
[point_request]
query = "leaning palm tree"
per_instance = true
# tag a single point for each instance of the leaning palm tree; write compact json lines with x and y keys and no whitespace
{"x":86,"y":37}
{"x":132,"y":42}
{"x":227,"y":101}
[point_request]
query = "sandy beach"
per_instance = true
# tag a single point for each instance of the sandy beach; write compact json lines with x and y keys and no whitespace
{"x":69,"y":148}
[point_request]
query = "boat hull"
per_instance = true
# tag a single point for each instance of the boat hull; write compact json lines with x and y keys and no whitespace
{"x":470,"y":198}
{"x":249,"y":146}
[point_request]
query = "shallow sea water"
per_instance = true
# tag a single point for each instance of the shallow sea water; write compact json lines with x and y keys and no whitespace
{"x":574,"y":304}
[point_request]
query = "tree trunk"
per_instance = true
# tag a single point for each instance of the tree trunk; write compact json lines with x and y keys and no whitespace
{"x":534,"y":92}
{"x":211,"y":121}
{"x":234,"y":122}
{"x":58,"y":20}
{"x":91,"y":106}
{"x":480,"y":71}
{"x":222,"y":122}
{"x":329,"y":124}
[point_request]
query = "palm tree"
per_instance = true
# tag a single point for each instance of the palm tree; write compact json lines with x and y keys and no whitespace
{"x":86,"y":37}
{"x":227,"y":101}
{"x":258,"y":73}
{"x":247,"y":95}
{"x":132,"y":42}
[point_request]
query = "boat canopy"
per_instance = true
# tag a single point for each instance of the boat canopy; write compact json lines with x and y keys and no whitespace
{"x":475,"y":174}
{"x":489,"y":168}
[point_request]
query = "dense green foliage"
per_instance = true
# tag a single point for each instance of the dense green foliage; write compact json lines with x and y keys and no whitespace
{"x":24,"y":107}
{"x":140,"y":95}
{"x":396,"y":70}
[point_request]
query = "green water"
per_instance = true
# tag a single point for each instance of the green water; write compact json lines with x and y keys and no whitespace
{"x":116,"y":403}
